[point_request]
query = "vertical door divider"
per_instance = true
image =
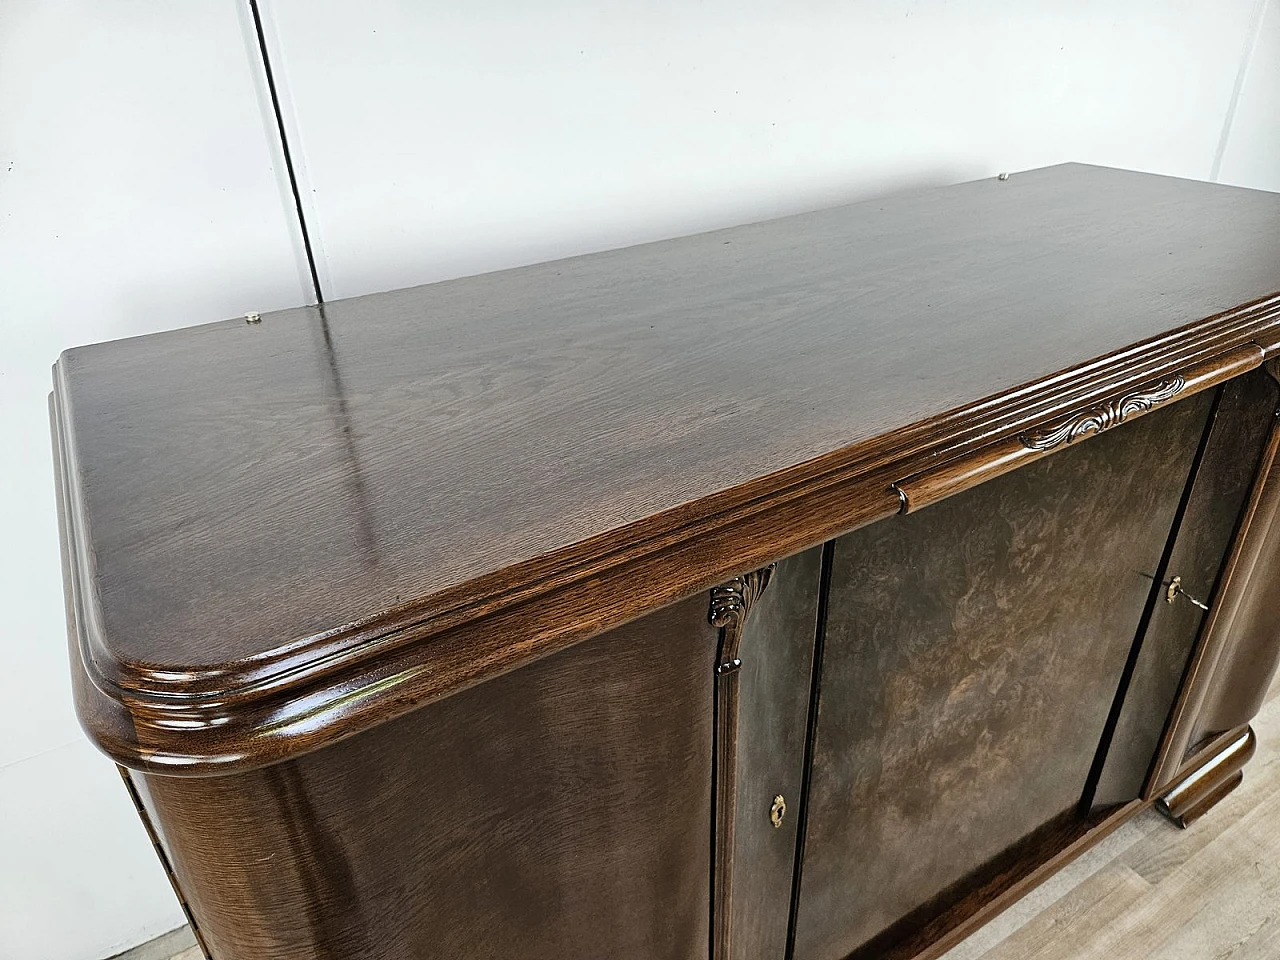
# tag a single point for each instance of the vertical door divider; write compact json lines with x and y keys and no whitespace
{"x":811,"y":730}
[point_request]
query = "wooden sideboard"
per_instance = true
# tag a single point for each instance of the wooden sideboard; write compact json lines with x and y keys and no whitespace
{"x":808,"y":589}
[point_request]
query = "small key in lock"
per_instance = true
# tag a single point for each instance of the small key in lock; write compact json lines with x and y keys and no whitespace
{"x":1175,"y":590}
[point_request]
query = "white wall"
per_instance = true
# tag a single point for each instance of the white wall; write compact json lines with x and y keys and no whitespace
{"x":140,"y":188}
{"x":136,"y":193}
{"x":438,"y":140}
{"x":1251,"y":154}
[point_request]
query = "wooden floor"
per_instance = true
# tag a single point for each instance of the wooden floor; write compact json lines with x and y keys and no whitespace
{"x":1148,"y":892}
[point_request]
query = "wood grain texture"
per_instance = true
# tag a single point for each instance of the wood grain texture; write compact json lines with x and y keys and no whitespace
{"x":972,"y":654}
{"x":1210,"y":891}
{"x":1102,"y":898}
{"x":930,"y":931}
{"x":163,"y":853}
{"x":285,"y":532}
{"x":561,"y":812}
{"x":950,"y":477}
{"x":1242,"y":420}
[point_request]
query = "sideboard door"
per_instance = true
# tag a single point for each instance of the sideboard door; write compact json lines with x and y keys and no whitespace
{"x":972,"y":653}
{"x":766,"y":686}
{"x":1235,"y":443}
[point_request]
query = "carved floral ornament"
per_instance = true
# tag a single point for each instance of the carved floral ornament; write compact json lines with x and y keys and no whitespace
{"x":730,"y":603}
{"x":1104,"y":416}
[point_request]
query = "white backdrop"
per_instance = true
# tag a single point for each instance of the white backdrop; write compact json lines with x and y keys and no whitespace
{"x":141,"y":187}
{"x":136,"y":193}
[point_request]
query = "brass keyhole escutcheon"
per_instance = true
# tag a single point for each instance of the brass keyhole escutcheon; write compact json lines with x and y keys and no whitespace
{"x":778,"y":811}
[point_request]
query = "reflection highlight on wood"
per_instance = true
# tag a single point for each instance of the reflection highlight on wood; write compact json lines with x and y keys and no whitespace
{"x":1210,"y":783}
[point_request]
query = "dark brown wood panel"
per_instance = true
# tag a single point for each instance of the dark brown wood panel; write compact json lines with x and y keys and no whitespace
{"x":972,"y":654}
{"x":951,"y":476}
{"x":773,"y":711}
{"x":283,"y":532}
{"x":1242,"y":420}
{"x":561,"y":812}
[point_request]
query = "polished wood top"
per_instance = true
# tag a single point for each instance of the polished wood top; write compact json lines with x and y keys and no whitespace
{"x":342,"y":511}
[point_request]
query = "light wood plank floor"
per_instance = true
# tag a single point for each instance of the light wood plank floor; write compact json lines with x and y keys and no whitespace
{"x":1148,"y":892}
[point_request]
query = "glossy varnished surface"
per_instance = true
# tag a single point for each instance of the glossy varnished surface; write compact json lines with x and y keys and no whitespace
{"x":415,"y":591}
{"x":561,"y":812}
{"x":973,"y":652}
{"x":1217,"y":773}
{"x":273,"y":514}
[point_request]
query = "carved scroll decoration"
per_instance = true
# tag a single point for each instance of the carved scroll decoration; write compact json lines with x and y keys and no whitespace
{"x":730,"y":604}
{"x":1105,"y":416}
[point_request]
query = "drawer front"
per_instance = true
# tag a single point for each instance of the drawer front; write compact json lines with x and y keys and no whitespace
{"x":972,"y":653}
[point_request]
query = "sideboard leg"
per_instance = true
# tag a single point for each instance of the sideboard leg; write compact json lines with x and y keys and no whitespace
{"x":1195,"y":796}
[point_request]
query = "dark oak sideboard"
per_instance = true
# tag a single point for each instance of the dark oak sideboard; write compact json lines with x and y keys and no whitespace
{"x":808,"y":589}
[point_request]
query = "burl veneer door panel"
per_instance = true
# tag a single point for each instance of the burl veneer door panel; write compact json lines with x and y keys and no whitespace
{"x":972,"y":653}
{"x":559,"y":812}
{"x":775,"y":681}
{"x":1240,"y":422}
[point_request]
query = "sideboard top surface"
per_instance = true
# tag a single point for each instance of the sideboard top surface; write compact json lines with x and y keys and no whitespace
{"x":252,"y":506}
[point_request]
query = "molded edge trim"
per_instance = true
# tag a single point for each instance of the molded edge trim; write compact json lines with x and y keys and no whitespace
{"x":316,"y":690}
{"x":986,"y":463}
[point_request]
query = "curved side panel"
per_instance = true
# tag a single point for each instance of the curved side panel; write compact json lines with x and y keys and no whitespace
{"x":560,"y":812}
{"x":1237,"y":657}
{"x":1239,"y":685}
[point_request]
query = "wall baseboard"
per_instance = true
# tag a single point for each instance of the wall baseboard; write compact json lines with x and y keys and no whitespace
{"x":164,"y":947}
